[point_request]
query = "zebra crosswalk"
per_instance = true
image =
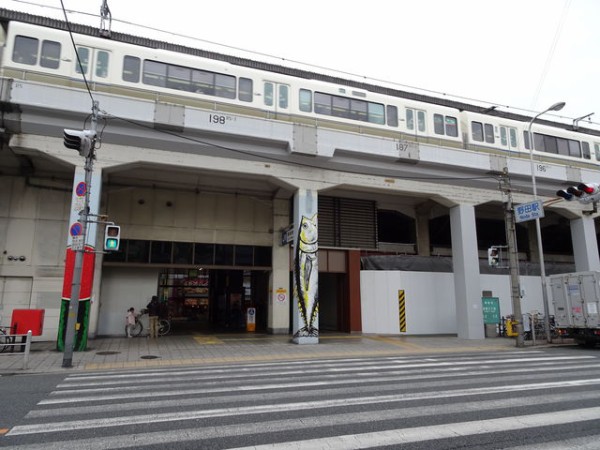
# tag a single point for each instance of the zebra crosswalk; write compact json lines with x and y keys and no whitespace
{"x":517,"y":399}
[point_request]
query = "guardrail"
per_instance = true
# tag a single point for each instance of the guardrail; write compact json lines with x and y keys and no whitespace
{"x":10,"y":340}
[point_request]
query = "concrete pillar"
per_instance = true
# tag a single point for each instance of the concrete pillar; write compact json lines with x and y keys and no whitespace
{"x":422,"y":226}
{"x":467,"y":286}
{"x":278,"y":320}
{"x":353,"y":277}
{"x":306,"y":269}
{"x":585,"y":245}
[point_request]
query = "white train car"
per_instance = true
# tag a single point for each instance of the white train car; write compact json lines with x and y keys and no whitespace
{"x":45,"y":54}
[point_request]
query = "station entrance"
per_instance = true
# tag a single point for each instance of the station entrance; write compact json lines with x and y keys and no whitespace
{"x":213,"y":300}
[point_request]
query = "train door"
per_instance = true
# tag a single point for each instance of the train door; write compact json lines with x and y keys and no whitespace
{"x":94,"y":63}
{"x":508,"y":137}
{"x":276,"y":96}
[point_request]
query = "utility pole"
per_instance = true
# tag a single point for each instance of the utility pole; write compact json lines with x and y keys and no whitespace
{"x":84,"y":142}
{"x":513,"y":256}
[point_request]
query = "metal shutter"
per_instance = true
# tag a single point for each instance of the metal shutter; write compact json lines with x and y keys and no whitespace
{"x":347,"y":223}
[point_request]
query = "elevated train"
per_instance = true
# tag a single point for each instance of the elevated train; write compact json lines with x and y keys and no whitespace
{"x":45,"y":54}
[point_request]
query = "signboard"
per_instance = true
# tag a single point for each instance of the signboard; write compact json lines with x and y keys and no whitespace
{"x":77,"y":243}
{"x":250,"y":319}
{"x":287,"y":235}
{"x":281,"y":295}
{"x":529,"y":211}
{"x":491,"y":310}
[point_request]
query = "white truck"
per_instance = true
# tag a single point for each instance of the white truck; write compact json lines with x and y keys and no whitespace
{"x":576,"y":298}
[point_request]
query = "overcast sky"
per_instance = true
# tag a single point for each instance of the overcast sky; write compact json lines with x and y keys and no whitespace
{"x":521,"y":54}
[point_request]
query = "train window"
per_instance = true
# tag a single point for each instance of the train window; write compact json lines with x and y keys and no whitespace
{"x":322,"y":103}
{"x":340,"y":107}
{"x":438,"y":124}
{"x":562,"y":146}
{"x":224,"y":85}
{"x":305,"y":100}
{"x":489,"y":133}
{"x":131,"y":69}
{"x":245,"y":89}
{"x":447,"y":125}
{"x":503,"y":136}
{"x":597,"y":150}
{"x":50,"y":56}
{"x":477,"y":131}
{"x":155,"y":73}
{"x":25,"y":50}
{"x":557,"y":145}
{"x":268,"y":94}
{"x":81,"y":63}
{"x":585,"y":149}
{"x":513,"y":137}
{"x":179,"y":78}
{"x":102,"y":64}
{"x":451,"y":126}
{"x":333,"y":105}
{"x":376,"y":113}
{"x":410,"y":119}
{"x":421,"y":122}
{"x":392,"y":116}
{"x":574,"y":148}
{"x":203,"y":82}
{"x":283,"y":96}
{"x":359,"y":110}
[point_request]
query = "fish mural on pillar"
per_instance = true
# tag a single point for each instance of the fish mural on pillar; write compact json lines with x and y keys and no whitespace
{"x":306,"y":277}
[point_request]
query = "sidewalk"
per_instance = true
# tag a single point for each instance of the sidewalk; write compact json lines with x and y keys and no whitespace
{"x":197,"y":349}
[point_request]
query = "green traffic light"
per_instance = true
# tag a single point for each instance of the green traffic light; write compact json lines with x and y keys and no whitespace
{"x":111,"y":244}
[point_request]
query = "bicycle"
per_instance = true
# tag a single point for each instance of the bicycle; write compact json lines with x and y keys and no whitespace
{"x":164,"y":325}
{"x":5,"y":340}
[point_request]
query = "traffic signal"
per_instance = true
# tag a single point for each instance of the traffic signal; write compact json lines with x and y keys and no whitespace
{"x":82,"y":141}
{"x":583,"y":192}
{"x":112,"y":238}
{"x":493,"y":256}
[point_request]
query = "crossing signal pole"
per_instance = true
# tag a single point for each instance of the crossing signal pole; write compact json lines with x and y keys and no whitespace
{"x":513,"y":256}
{"x":84,"y":142}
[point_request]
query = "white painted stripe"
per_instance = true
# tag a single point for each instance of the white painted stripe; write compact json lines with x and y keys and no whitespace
{"x":150,"y":378}
{"x":420,"y":434}
{"x":133,"y":440}
{"x":259,"y":409}
{"x":165,"y":402}
{"x":396,"y":374}
{"x":355,"y":365}
{"x":136,"y":392}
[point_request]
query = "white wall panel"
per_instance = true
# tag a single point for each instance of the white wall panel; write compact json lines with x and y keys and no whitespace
{"x":121,"y":289}
{"x":430,"y":306}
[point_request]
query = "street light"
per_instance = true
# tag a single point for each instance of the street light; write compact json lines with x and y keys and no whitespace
{"x":555,"y":107}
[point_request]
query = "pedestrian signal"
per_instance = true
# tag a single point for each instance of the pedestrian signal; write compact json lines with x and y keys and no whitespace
{"x":112,"y":237}
{"x":493,"y":256}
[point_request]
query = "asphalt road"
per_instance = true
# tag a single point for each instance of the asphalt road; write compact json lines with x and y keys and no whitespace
{"x":520,"y":399}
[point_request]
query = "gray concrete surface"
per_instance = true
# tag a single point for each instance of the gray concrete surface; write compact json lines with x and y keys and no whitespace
{"x":200,"y":349}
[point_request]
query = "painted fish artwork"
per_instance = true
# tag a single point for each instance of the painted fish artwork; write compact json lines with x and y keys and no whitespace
{"x":306,"y":274}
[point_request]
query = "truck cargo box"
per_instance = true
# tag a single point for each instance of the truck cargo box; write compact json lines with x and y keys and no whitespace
{"x":576,"y":299}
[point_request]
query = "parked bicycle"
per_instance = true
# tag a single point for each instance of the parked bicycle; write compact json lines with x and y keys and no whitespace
{"x":5,"y":340}
{"x":535,"y":327}
{"x":164,"y":325}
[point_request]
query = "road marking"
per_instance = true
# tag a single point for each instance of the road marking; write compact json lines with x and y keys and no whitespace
{"x":428,"y":433}
{"x":208,"y":340}
{"x":272,"y":408}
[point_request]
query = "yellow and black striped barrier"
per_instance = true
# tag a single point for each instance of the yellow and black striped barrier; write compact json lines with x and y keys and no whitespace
{"x":402,"y":309}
